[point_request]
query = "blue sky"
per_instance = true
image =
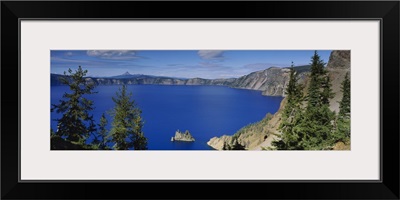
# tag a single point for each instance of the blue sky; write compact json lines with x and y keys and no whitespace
{"x":178,"y":63}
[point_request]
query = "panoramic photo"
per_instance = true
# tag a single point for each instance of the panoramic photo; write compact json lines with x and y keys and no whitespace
{"x":227,"y":100}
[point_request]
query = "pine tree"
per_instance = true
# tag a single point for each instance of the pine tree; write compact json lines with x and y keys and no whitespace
{"x":102,"y":133}
{"x":317,"y":70}
{"x":76,"y":124}
{"x":343,"y":121}
{"x":312,"y":128}
{"x":126,"y":131}
{"x":316,"y":128}
{"x":344,"y":105}
{"x":291,"y":113}
{"x":138,"y":140}
{"x":327,"y":93}
{"x":316,"y":124}
{"x":294,"y":90}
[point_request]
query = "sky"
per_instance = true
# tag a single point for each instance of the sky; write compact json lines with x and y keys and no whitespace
{"x":179,"y":63}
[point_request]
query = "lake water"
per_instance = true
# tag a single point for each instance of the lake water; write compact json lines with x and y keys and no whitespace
{"x":206,"y":111}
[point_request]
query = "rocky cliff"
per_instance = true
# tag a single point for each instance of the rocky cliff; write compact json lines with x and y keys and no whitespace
{"x":271,"y":81}
{"x":338,"y":66}
{"x":249,"y":136}
{"x":259,"y":135}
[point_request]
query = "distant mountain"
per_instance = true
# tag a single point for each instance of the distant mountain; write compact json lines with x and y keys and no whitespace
{"x":127,"y":75}
{"x":271,"y":81}
{"x":54,"y":79}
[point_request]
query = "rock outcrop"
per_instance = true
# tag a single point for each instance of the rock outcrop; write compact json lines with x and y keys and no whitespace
{"x":185,"y":137}
{"x":253,"y":135}
{"x":271,"y":81}
{"x":339,"y":60}
{"x":338,"y":66}
{"x":219,"y":142}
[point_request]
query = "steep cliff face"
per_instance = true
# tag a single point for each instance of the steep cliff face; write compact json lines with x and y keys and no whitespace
{"x":260,"y":135}
{"x":339,"y":60}
{"x":271,"y":81}
{"x":338,"y":65}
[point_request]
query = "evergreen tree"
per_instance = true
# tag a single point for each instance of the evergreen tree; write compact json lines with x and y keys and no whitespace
{"x":291,"y":114}
{"x":312,"y":128}
{"x":126,"y":131}
{"x":343,"y":121}
{"x":344,"y":105}
{"x":316,"y":128}
{"x":138,"y":140}
{"x":316,"y":124}
{"x":317,"y":71}
{"x":101,"y":137}
{"x":76,"y":124}
{"x":294,"y":90}
{"x":294,"y":93}
{"x":327,"y":93}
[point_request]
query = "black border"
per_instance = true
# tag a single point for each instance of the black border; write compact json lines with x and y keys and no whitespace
{"x":387,"y":11}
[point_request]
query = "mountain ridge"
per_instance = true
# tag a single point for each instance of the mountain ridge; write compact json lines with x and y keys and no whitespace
{"x":271,"y":81}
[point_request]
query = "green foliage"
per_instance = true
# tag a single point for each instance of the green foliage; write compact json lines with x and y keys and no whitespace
{"x":235,"y":146}
{"x":342,"y":130}
{"x":101,"y":138}
{"x":258,"y":127}
{"x":291,"y":114}
{"x":345,"y":102}
{"x":317,"y":77}
{"x":327,"y":93}
{"x":58,"y":143}
{"x":76,"y":124}
{"x":294,"y":95}
{"x":311,"y":128}
{"x":343,"y":120}
{"x":126,"y":131}
{"x":315,"y":128}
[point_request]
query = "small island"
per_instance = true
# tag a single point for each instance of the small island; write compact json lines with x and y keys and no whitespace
{"x":185,"y":137}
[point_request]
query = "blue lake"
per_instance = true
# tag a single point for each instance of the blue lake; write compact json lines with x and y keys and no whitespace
{"x":206,"y":111}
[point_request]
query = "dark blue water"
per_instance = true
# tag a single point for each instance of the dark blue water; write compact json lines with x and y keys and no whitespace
{"x":206,"y":111}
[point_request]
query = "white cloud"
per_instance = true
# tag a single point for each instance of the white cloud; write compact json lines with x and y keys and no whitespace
{"x":113,"y":54}
{"x":211,"y":54}
{"x":68,"y":53}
